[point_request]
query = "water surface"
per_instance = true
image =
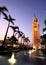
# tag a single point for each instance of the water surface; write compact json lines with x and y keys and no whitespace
{"x":24,"y":58}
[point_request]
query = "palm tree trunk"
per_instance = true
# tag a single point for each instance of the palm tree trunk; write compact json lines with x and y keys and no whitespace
{"x":6,"y":34}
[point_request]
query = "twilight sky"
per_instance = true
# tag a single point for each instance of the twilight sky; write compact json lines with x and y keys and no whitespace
{"x":23,"y":11}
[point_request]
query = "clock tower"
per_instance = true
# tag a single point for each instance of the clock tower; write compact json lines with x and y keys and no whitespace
{"x":35,"y":33}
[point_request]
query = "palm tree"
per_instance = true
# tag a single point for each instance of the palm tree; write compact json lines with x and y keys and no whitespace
{"x":15,"y":29}
{"x":23,"y":37}
{"x":7,"y":40}
{"x":44,"y":29}
{"x":43,"y":37}
{"x":13,"y":40}
{"x":20,"y":34}
{"x":45,"y":22}
{"x":26,"y":40}
{"x":3,"y":9}
{"x":10,"y":20}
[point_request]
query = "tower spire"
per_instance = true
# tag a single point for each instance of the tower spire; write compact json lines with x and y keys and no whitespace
{"x":34,"y":15}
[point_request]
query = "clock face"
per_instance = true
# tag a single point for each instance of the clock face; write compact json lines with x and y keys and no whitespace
{"x":35,"y":29}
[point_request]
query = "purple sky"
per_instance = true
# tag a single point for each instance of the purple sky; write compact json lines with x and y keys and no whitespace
{"x":23,"y":11}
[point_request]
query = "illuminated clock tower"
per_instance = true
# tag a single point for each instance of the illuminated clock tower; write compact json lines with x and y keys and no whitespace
{"x":35,"y":33}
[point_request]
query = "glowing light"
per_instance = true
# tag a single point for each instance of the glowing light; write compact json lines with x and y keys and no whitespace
{"x":12,"y":60}
{"x":41,"y":33}
{"x":35,"y":29}
{"x":30,"y":51}
{"x":34,"y":47}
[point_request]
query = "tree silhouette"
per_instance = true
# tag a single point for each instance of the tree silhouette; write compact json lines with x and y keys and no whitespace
{"x":43,"y":37}
{"x":13,"y":40}
{"x":15,"y":29}
{"x":44,"y":29}
{"x":20,"y":34}
{"x":45,"y":22}
{"x":3,"y":9}
{"x":23,"y":37}
{"x":10,"y":20}
{"x":26,"y":39}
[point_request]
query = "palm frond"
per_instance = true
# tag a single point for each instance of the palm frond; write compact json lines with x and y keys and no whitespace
{"x":11,"y":18}
{"x":44,"y":29}
{"x":14,"y":27}
{"x":5,"y":15}
{"x":45,"y":22}
{"x":11,"y":22}
{"x":5,"y":8}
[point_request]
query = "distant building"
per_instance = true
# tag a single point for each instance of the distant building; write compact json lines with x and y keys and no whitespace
{"x":35,"y":33}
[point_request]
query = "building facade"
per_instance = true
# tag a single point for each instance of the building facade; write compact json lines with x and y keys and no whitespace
{"x":35,"y":33}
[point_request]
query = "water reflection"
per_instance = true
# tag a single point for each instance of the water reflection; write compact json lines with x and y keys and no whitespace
{"x":3,"y":60}
{"x":31,"y":51}
{"x":36,"y":54}
{"x":12,"y":60}
{"x":31,"y":57}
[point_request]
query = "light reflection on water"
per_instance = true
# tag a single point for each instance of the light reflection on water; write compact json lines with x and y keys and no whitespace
{"x":37,"y":54}
{"x":31,"y":51}
{"x":12,"y":60}
{"x":23,"y":58}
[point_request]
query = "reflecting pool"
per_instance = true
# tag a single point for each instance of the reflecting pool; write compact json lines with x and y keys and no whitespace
{"x":31,"y":57}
